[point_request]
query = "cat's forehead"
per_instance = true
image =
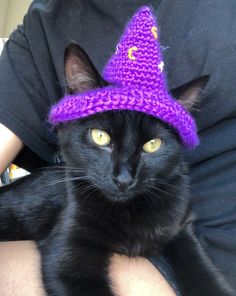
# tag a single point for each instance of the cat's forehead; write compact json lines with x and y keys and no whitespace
{"x":124,"y":120}
{"x":118,"y":117}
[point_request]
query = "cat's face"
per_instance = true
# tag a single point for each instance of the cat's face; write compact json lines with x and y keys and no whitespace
{"x":122,"y":153}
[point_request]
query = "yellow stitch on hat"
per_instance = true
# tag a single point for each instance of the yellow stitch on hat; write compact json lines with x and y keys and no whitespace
{"x":155,"y":32}
{"x":130,"y":52}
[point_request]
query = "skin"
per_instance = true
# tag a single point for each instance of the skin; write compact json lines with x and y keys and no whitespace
{"x":10,"y":146}
{"x":20,"y":261}
{"x":137,"y":277}
{"x":20,"y":273}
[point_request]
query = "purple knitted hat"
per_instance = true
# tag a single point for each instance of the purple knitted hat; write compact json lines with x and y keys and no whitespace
{"x":138,"y":83}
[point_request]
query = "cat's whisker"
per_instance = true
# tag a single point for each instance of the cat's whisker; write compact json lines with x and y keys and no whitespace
{"x":64,"y":180}
{"x":159,"y":190}
{"x":61,"y":167}
{"x":89,"y":193}
{"x":164,"y":183}
{"x":85,"y":188}
{"x":79,"y":186}
{"x":156,"y":196}
{"x":167,"y":192}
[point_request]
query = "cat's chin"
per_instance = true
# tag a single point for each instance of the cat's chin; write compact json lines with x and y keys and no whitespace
{"x":121,"y":198}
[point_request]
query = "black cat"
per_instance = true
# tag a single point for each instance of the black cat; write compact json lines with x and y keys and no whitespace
{"x":123,"y":188}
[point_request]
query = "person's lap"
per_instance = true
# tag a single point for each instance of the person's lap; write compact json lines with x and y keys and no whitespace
{"x":20,"y":273}
{"x":19,"y":270}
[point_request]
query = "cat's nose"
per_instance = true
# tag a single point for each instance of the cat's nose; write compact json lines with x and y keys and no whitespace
{"x":123,"y":180}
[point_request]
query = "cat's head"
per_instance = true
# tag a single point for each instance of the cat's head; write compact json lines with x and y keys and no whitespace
{"x":120,"y":154}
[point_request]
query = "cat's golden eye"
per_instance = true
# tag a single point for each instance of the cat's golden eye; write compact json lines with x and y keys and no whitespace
{"x":100,"y":137}
{"x":152,"y":146}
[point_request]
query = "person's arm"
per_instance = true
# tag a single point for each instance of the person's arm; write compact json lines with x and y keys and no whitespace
{"x":9,"y":148}
{"x":137,"y":277}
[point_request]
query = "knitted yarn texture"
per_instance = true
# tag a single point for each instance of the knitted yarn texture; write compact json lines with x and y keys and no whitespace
{"x":137,"y":80}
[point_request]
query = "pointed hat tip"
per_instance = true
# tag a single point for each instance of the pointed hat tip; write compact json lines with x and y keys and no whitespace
{"x":137,"y":60}
{"x":145,"y":9}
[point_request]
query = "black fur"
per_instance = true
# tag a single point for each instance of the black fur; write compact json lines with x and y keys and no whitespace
{"x":80,"y":215}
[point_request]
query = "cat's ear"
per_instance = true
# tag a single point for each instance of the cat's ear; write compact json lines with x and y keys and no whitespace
{"x":80,"y":73}
{"x":190,"y":93}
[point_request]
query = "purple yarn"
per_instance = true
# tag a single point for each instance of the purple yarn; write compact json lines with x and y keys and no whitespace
{"x":136,"y":73}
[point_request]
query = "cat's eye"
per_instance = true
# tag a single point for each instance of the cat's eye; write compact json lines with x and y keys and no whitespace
{"x":152,"y":146}
{"x":101,"y":138}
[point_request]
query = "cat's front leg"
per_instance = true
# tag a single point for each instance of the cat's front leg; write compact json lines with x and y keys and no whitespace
{"x":196,"y":274}
{"x":75,"y":271}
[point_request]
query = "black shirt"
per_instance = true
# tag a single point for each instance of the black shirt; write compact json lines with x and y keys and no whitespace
{"x":197,"y":38}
